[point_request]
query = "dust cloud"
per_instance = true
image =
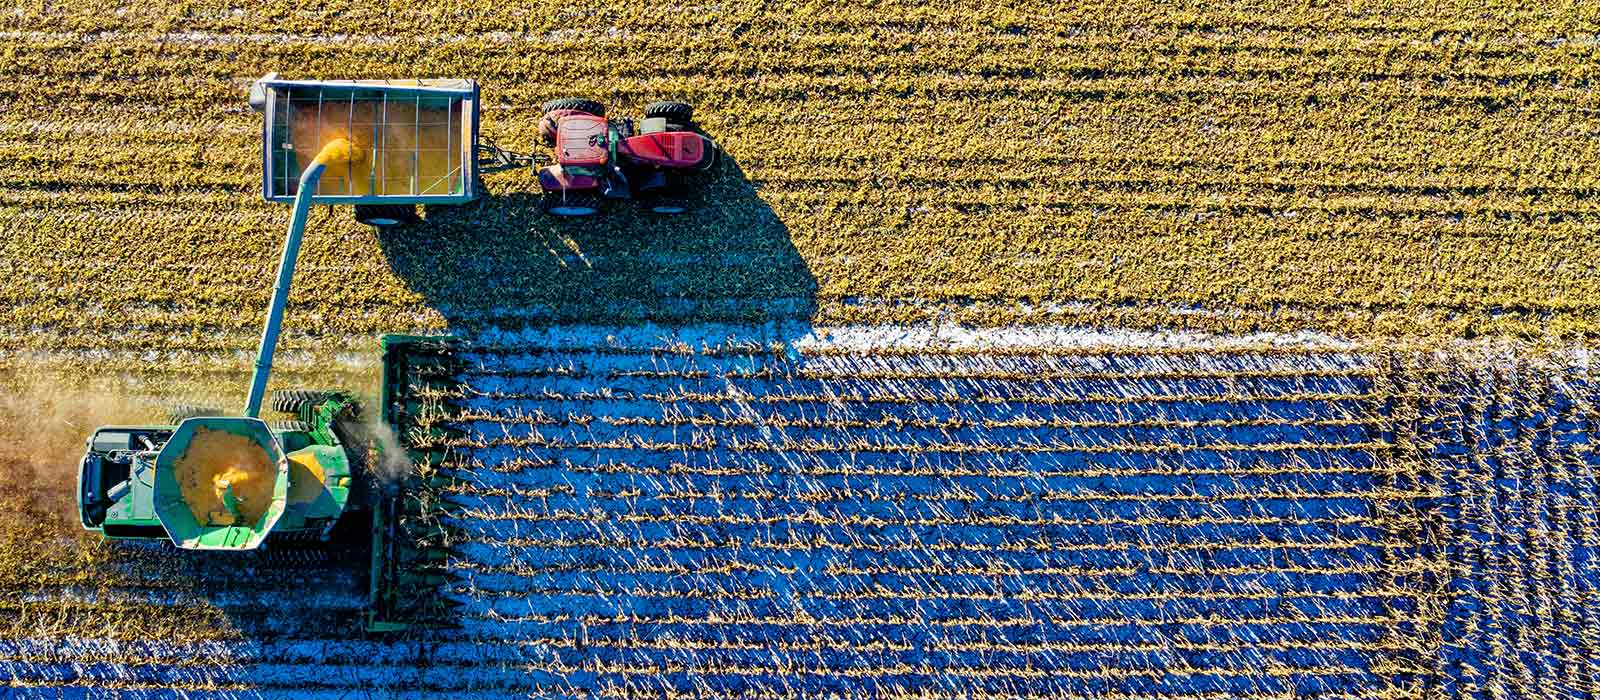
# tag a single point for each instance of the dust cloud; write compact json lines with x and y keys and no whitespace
{"x":44,"y":421}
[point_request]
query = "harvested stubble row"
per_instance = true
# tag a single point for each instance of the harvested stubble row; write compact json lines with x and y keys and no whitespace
{"x":1413,"y":167}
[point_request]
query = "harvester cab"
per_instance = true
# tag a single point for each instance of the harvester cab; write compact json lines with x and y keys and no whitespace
{"x":217,"y":482}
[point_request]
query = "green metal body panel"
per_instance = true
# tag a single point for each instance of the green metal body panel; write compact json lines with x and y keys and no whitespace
{"x":327,"y":503}
{"x":134,"y":516}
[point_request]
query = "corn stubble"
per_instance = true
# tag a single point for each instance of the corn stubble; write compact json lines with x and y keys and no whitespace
{"x":1403,"y":171}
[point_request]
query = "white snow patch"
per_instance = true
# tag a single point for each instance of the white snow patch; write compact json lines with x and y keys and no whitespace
{"x":943,"y":337}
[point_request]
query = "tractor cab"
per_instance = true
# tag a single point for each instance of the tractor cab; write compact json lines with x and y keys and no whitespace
{"x":582,"y":140}
{"x":598,"y":159}
{"x":668,"y":149}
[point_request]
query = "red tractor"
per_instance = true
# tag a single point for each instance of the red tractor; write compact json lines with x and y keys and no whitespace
{"x":598,"y":159}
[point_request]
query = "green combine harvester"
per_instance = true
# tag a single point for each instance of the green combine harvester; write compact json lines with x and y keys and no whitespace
{"x":214,"y":482}
{"x":136,"y":482}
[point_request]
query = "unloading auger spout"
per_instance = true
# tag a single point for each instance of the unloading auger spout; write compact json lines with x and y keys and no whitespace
{"x":338,"y":151}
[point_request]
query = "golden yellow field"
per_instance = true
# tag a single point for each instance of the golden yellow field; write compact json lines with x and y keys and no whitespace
{"x":1392,"y":167}
{"x":1370,"y":175}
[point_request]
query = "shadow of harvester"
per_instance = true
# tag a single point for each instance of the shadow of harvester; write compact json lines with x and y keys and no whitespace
{"x":502,"y":262}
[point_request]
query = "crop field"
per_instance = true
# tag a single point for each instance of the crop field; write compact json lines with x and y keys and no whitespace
{"x":646,"y":513}
{"x":1189,"y":350}
{"x":1402,"y":167}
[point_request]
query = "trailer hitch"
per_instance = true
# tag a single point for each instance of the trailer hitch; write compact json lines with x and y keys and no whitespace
{"x":493,"y":159}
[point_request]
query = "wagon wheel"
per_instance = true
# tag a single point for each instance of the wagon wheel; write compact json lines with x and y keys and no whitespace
{"x":386,"y":215}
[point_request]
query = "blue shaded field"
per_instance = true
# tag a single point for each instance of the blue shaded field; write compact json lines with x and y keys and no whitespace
{"x":648,"y":521}
{"x":1055,"y":525}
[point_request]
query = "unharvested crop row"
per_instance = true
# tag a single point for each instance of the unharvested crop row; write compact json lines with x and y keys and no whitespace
{"x":513,"y":469}
{"x":758,"y":367}
{"x":879,"y":446}
{"x":726,"y":497}
{"x":502,"y":348}
{"x":889,"y":464}
{"x":659,"y":539}
{"x":1019,"y":387}
{"x":913,"y":423}
{"x":528,"y":556}
{"x":995,"y":401}
{"x":916,"y":395}
{"x":625,"y":547}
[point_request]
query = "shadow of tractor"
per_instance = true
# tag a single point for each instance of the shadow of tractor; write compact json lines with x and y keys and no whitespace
{"x":502,"y":262}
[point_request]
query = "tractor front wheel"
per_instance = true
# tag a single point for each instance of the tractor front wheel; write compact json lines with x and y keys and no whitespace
{"x":386,"y":215}
{"x":574,"y":204}
{"x":670,"y":206}
{"x":575,"y":103}
{"x":679,"y":113}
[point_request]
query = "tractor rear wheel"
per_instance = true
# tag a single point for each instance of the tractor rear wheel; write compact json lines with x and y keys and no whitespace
{"x":386,"y":215}
{"x":574,"y":204}
{"x":292,"y":400}
{"x":575,"y":103}
{"x":679,"y":113}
